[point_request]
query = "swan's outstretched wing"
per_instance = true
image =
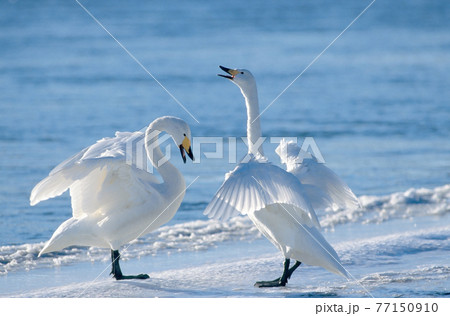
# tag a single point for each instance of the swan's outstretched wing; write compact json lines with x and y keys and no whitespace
{"x":324,"y":188}
{"x":95,"y":170}
{"x":254,"y":185}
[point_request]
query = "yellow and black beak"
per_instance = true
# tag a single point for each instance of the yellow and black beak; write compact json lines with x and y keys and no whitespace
{"x":186,"y":147}
{"x":232,"y":72}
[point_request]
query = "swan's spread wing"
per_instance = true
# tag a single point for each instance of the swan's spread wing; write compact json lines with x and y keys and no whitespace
{"x":111,"y":188}
{"x":111,"y":147}
{"x":324,"y":187}
{"x":85,"y":173}
{"x":331,"y":188}
{"x":58,"y":182}
{"x":254,"y":185}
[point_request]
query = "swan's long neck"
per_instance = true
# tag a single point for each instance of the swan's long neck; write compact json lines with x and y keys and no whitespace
{"x":174,"y":183}
{"x":253,"y":124}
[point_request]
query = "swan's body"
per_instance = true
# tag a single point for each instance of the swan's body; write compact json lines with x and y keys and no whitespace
{"x":275,"y":200}
{"x":114,"y":202}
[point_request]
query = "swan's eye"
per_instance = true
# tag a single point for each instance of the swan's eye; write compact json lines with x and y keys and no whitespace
{"x":184,"y":134}
{"x":242,"y":72}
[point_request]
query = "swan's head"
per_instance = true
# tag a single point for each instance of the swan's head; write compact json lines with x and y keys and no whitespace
{"x":180,"y":132}
{"x":243,"y":78}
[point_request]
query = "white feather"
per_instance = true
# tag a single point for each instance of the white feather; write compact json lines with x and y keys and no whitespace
{"x":276,"y":201}
{"x":254,"y":185}
{"x":114,"y":202}
{"x":324,"y":187}
{"x":296,"y":237}
{"x":107,"y":151}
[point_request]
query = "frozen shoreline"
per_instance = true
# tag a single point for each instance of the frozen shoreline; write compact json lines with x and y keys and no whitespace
{"x":383,"y":264}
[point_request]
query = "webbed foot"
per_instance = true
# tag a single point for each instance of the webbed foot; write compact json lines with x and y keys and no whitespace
{"x":130,"y":277}
{"x":274,"y":283}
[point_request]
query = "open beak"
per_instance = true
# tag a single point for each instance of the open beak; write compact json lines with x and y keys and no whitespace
{"x":232,"y":72}
{"x":185,"y":147}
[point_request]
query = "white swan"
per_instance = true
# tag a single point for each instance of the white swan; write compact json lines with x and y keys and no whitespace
{"x":114,"y":202}
{"x":275,"y":200}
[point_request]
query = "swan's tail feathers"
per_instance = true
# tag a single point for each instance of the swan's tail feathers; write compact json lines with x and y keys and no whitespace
{"x":332,"y":262}
{"x":67,"y":234}
{"x":54,"y":244}
{"x":50,"y":246}
{"x":339,"y":269}
{"x":312,"y":248}
{"x":326,"y":254}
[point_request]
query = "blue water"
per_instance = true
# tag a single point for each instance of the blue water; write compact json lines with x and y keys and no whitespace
{"x":376,"y":102}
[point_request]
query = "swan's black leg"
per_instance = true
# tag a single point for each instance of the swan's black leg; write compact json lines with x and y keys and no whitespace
{"x":283,"y":280}
{"x":117,"y":273}
{"x":292,"y":269}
